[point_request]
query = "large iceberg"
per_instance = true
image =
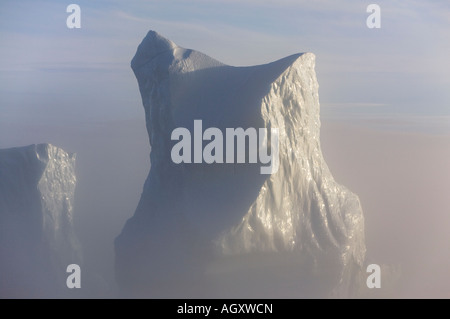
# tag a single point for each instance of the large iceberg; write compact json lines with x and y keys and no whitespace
{"x":37,"y":239}
{"x":225,"y":229}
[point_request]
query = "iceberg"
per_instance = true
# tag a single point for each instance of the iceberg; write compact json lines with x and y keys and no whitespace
{"x":37,"y":238}
{"x":223,"y":229}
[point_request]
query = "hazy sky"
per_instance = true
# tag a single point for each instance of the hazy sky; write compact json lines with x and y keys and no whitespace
{"x":49,"y":73}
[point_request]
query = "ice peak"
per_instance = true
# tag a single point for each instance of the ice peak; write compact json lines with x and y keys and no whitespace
{"x":151,"y":46}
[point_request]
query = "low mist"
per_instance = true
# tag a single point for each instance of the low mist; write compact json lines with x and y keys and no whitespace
{"x":401,"y":179}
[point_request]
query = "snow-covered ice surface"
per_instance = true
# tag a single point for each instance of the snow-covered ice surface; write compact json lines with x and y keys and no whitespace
{"x":225,"y":230}
{"x":37,"y":240}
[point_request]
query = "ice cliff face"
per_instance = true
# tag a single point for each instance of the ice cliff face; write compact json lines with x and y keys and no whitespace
{"x":200,"y":220}
{"x":37,"y":240}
